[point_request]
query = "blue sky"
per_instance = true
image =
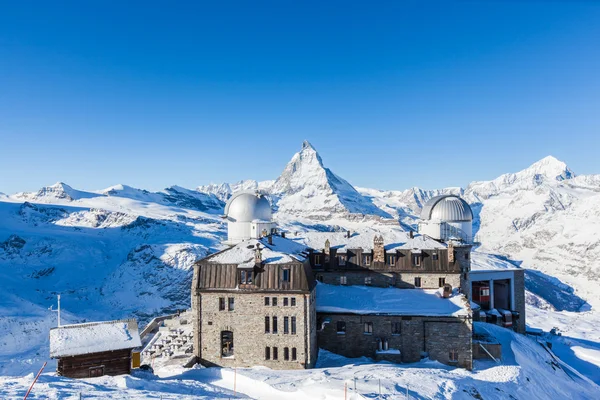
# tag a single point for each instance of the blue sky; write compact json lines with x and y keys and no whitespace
{"x":393,"y":95}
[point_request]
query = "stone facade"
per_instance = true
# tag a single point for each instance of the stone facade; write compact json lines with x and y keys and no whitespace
{"x":404,"y":280}
{"x":519,"y":285}
{"x":408,"y":338}
{"x":247,"y":323}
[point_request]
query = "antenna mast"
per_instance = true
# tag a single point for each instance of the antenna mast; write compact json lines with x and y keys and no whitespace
{"x":58,"y":310}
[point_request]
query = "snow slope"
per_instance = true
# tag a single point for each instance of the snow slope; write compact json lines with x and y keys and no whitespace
{"x":124,"y":252}
{"x":527,"y":371}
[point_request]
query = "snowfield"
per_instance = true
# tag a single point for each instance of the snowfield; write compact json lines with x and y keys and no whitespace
{"x":124,"y":252}
{"x":526,"y":372}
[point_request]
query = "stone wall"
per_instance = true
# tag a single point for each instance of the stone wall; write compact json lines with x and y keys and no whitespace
{"x":247,"y":322}
{"x":519,"y":285}
{"x":436,"y":336}
{"x":390,"y":279}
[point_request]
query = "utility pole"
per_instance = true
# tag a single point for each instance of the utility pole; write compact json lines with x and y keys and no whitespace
{"x":58,"y":310}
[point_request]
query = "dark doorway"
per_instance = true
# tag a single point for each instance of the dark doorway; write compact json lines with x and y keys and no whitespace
{"x":227,"y":344}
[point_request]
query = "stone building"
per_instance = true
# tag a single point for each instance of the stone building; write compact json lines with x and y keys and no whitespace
{"x":387,"y":294}
{"x":254,"y":303}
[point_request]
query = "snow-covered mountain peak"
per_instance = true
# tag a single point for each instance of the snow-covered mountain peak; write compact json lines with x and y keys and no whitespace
{"x":551,"y":168}
{"x":58,"y":191}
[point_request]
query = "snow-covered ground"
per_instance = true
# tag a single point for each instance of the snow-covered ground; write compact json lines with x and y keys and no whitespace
{"x":124,"y":252}
{"x":526,"y":371}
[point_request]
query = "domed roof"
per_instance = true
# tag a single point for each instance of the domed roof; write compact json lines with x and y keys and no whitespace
{"x":247,"y":206}
{"x":447,"y":208}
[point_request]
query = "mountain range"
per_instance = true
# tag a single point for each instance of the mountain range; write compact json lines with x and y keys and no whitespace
{"x":124,"y":251}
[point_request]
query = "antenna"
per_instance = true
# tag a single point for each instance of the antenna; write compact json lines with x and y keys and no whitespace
{"x":58,"y":310}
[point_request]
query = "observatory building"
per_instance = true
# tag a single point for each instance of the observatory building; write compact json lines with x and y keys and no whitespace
{"x":387,"y":294}
{"x":248,"y":215}
{"x":447,"y":217}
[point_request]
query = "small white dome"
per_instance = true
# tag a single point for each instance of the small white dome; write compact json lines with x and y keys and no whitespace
{"x":447,"y":208}
{"x":247,"y":206}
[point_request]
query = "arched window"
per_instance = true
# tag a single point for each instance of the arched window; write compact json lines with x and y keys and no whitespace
{"x":226,"y":344}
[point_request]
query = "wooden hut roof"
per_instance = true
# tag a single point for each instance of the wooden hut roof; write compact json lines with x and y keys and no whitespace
{"x":94,"y":337}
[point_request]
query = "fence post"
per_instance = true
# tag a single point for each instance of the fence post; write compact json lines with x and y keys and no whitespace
{"x":345,"y":390}
{"x":380,"y":388}
{"x":407,"y":391}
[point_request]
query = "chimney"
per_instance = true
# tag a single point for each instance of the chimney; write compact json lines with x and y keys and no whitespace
{"x":283,"y":235}
{"x":378,"y":249}
{"x":257,"y":256}
{"x":348,"y":234}
{"x":451,"y":252}
{"x":327,"y":246}
{"x":411,"y":234}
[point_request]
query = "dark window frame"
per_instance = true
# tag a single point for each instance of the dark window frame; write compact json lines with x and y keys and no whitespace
{"x":221,"y":303}
{"x":368,"y":328}
{"x":267,"y":324}
{"x":418,"y":282}
{"x":231,"y":304}
{"x":341,"y":327}
{"x":293,"y":323}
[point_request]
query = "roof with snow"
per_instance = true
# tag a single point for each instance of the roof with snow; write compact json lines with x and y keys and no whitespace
{"x":281,"y":251}
{"x":393,"y":240}
{"x":484,"y":262}
{"x":365,"y":300}
{"x":95,"y":337}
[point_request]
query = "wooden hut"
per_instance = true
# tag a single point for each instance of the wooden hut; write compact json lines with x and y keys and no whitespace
{"x":94,"y":349}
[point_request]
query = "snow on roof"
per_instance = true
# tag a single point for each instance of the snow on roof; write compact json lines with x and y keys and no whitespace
{"x":392,"y":301}
{"x":490,"y":262}
{"x":393,"y":240}
{"x":280,"y":252}
{"x":95,"y":337}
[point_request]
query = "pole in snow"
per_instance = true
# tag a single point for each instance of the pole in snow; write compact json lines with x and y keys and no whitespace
{"x":58,"y":310}
{"x":407,"y":391}
{"x":34,"y":381}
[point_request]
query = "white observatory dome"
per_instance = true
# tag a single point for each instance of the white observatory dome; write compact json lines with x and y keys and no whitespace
{"x":447,"y":217}
{"x":447,"y":208}
{"x":247,"y":207}
{"x":248,"y":216}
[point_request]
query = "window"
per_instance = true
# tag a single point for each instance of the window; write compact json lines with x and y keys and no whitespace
{"x":341,"y":260}
{"x":274,"y":324}
{"x":453,"y":356}
{"x":366,"y":260}
{"x":317,"y":259}
{"x":392,"y":260}
{"x":293,"y":325}
{"x":341,"y":328}
{"x":293,"y":354}
{"x":230,"y":304}
{"x":343,"y":280}
{"x":285,"y":275}
{"x":226,"y":344}
{"x":285,"y":301}
{"x":246,"y":277}
{"x":267,"y":353}
{"x":442,"y":281}
{"x":466,"y":256}
{"x":267,"y":324}
{"x":293,"y":301}
{"x":368,"y":281}
{"x":319,"y":277}
{"x":221,"y":303}
{"x":418,"y":281}
{"x":286,"y":325}
{"x":267,"y":301}
{"x":396,"y":328}
{"x":286,"y":353}
{"x":434,"y":257}
{"x":274,"y":301}
{"x":368,"y":328}
{"x":416,"y":260}
{"x":485,"y":291}
{"x":274,"y":353}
